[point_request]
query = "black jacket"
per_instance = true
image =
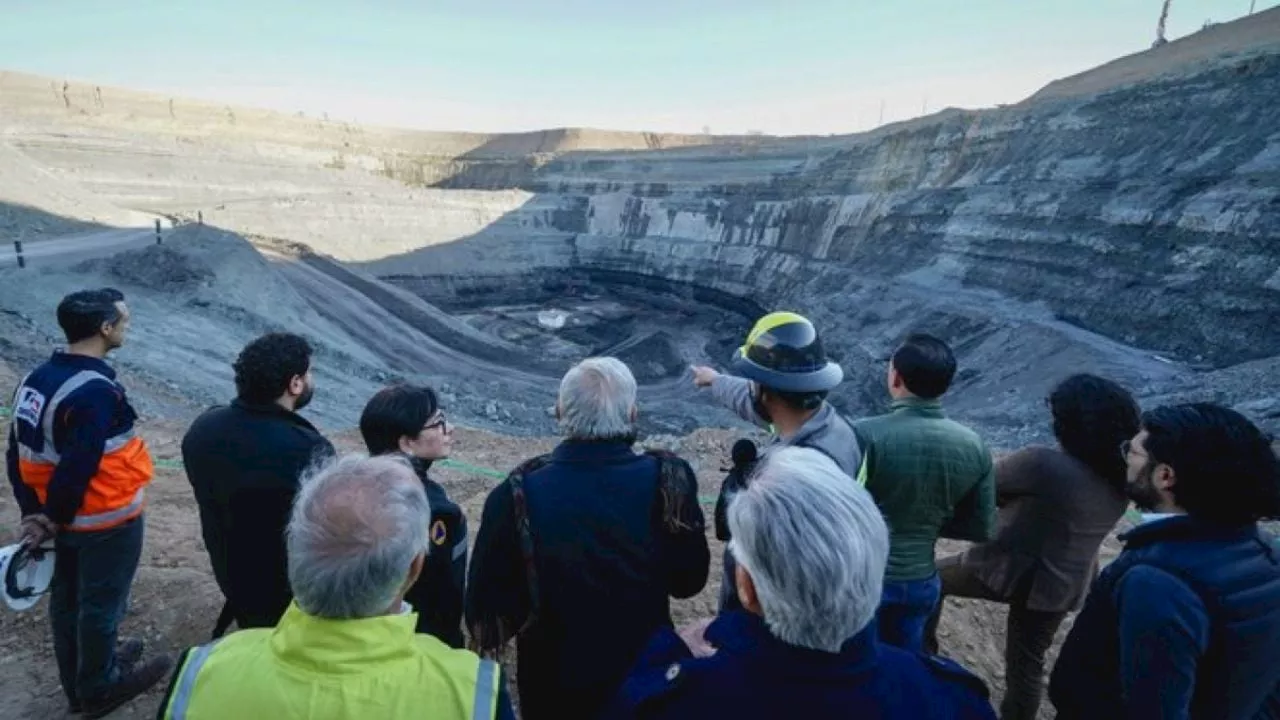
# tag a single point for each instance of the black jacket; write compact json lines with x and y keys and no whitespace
{"x":611,"y":543}
{"x":1184,"y":624}
{"x":437,"y":595}
{"x":244,"y":462}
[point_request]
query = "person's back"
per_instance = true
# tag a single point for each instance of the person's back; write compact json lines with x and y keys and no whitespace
{"x":244,"y":461}
{"x":320,"y":669}
{"x":1186,"y":621}
{"x":345,"y":649}
{"x":752,"y":675}
{"x":613,"y":534}
{"x":811,"y":548}
{"x":931,"y":477}
{"x":1225,"y":583}
{"x":600,"y":568}
{"x":922,"y":468}
{"x":1055,"y":512}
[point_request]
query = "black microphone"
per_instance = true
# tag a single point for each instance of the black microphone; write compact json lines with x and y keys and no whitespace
{"x":744,"y":453}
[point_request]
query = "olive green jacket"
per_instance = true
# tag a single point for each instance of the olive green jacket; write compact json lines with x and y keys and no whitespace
{"x":932,"y":477}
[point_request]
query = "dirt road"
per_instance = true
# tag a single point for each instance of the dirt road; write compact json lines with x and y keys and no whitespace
{"x":80,"y":246}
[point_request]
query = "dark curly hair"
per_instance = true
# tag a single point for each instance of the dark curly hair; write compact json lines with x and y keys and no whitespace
{"x":1092,"y":416}
{"x":1224,"y":469}
{"x":267,"y":365}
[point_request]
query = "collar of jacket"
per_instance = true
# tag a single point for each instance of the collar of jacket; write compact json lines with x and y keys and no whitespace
{"x":335,"y":646}
{"x":746,"y":634}
{"x":82,"y":362}
{"x":420,"y":466}
{"x":918,"y":407}
{"x":615,"y":450}
{"x":273,"y":410}
{"x":1186,"y":527}
{"x":815,"y":424}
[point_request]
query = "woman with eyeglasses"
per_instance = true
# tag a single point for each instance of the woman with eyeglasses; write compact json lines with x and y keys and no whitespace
{"x":407,"y":420}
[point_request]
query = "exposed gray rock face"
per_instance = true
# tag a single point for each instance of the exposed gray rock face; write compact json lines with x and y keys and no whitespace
{"x":1122,"y":221}
{"x":1056,"y":236}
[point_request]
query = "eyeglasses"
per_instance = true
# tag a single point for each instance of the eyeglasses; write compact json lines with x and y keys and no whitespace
{"x":439,"y":422}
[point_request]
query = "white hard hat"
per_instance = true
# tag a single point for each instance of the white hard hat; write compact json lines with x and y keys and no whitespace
{"x":25,"y":574}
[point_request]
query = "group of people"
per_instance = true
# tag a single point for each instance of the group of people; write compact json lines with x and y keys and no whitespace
{"x":348,"y":579}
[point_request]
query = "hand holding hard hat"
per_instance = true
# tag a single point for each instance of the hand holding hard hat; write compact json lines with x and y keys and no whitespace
{"x":26,"y":567}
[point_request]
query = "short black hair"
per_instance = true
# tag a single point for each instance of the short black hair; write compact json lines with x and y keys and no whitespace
{"x":395,"y":412}
{"x":82,"y":314}
{"x":267,"y":365}
{"x":926,"y":365}
{"x":1092,"y":417}
{"x":1224,"y":468}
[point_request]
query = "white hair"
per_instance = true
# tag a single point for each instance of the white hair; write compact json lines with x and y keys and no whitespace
{"x":597,"y":397}
{"x":357,"y":524}
{"x":815,"y":546}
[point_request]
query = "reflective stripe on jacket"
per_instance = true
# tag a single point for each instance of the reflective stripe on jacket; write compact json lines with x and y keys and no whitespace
{"x":333,"y":670}
{"x":45,"y":405}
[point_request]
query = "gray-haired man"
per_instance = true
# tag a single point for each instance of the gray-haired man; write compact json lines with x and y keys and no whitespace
{"x":346,"y":647}
{"x":811,"y":549}
{"x":579,"y":550}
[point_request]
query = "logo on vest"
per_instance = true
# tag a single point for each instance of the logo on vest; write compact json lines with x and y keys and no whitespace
{"x":438,"y":532}
{"x":30,"y":404}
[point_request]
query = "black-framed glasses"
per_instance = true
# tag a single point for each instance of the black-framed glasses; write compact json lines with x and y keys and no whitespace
{"x":439,"y":422}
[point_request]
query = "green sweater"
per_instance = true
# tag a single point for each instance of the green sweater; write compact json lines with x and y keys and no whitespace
{"x":932,"y":477}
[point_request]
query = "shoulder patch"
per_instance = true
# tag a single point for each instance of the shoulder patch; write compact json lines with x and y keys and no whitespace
{"x":30,"y":403}
{"x":952,"y":672}
{"x":439,"y":532}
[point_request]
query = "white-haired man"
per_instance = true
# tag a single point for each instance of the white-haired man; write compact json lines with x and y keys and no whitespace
{"x":580,"y":550}
{"x":346,"y":647}
{"x":811,"y":548}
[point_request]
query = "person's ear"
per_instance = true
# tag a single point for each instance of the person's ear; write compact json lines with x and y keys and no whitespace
{"x":406,"y":444}
{"x":297,"y":385}
{"x":415,"y":570}
{"x":746,"y":590}
{"x":1163,"y":477}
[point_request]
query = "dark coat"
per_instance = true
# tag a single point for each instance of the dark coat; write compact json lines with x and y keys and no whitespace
{"x":1054,"y":514}
{"x":244,"y":463}
{"x":755,"y":675}
{"x":438,"y":594}
{"x":607,"y":558}
{"x":1184,"y":624}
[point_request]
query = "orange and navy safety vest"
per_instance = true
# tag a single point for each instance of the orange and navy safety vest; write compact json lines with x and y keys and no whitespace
{"x":45,"y":409}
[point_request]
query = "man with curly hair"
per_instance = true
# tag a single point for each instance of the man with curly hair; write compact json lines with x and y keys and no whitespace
{"x":244,"y":461}
{"x":1057,"y":505}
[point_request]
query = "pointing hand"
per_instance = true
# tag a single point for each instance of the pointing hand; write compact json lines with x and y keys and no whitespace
{"x":703,"y":376}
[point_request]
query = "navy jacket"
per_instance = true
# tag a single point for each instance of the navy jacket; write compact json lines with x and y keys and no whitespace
{"x":86,"y":418}
{"x":1184,"y":624}
{"x":437,"y":595}
{"x":755,"y":675}
{"x":244,"y":462}
{"x":606,"y":564}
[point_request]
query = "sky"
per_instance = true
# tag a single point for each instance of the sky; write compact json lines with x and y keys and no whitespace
{"x":728,"y":66}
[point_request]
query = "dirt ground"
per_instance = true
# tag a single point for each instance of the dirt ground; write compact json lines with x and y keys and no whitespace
{"x":175,"y":600}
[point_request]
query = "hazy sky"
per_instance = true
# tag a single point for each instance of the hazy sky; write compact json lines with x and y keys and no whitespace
{"x":780,"y":66}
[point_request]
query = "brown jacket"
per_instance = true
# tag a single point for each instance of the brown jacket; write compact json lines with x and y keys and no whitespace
{"x":1054,"y":512}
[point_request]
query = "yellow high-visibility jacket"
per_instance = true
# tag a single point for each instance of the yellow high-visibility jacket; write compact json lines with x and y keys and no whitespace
{"x":309,"y":667}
